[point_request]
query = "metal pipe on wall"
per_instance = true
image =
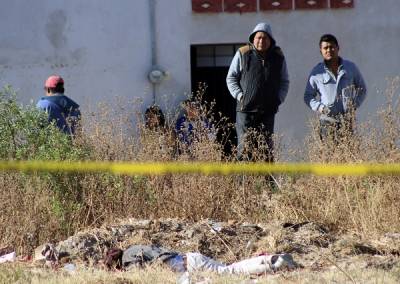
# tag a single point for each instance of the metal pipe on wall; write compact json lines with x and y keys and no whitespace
{"x":153,"y":43}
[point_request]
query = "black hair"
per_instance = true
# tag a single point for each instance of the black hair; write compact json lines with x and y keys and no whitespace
{"x":328,"y":38}
{"x":58,"y":89}
{"x":154,"y":110}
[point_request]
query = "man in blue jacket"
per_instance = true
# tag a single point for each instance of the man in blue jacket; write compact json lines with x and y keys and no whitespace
{"x":335,"y":88}
{"x":60,"y":109}
{"x":258,"y":79}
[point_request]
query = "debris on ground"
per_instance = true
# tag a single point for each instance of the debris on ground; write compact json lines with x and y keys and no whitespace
{"x":313,"y":246}
{"x":7,"y":254}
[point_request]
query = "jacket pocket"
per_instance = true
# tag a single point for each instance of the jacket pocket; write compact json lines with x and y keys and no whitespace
{"x":247,"y":100}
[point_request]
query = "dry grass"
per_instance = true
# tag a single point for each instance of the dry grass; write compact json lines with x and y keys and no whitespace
{"x":20,"y":274}
{"x":366,"y":205}
{"x":37,"y":208}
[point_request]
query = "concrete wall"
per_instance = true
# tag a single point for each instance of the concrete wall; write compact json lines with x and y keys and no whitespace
{"x":102,"y":48}
{"x":368,"y":34}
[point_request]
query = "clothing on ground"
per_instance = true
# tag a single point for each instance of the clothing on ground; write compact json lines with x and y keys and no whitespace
{"x":138,"y":255}
{"x":255,"y":265}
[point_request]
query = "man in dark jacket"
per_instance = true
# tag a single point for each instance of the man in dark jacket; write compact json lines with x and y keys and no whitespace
{"x":60,"y":109}
{"x":259,"y":81}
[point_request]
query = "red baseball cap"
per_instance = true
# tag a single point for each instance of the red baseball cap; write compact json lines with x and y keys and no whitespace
{"x":52,"y":81}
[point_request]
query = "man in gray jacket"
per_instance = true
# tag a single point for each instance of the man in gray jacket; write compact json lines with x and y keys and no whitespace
{"x":335,"y":88}
{"x":259,"y":81}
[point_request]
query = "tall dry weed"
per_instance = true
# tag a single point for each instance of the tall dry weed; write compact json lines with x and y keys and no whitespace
{"x":40,"y":207}
{"x":366,"y":205}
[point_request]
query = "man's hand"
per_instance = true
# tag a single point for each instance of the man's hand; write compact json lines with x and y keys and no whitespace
{"x":326,"y":110}
{"x":240,"y":100}
{"x":323,"y":109}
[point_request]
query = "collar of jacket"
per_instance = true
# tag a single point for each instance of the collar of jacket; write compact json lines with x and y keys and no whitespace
{"x":259,"y":54}
{"x":328,"y":73}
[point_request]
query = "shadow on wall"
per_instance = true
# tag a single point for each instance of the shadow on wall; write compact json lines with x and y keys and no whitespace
{"x":55,"y":29}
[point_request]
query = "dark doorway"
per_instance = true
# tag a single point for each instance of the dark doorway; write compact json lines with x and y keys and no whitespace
{"x":209,"y":66}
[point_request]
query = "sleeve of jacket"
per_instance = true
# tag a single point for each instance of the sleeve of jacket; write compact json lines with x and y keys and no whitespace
{"x":284,"y":88}
{"x":310,"y":94}
{"x":233,"y":77}
{"x":360,"y":86}
{"x":43,"y":105}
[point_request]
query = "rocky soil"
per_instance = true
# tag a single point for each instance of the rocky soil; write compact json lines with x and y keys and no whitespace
{"x":313,"y":247}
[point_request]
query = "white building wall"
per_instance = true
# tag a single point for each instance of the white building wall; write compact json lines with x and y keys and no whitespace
{"x":368,"y":34}
{"x":103,"y":50}
{"x":100,"y":47}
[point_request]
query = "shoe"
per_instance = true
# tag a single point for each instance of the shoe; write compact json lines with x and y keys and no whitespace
{"x":282,"y":261}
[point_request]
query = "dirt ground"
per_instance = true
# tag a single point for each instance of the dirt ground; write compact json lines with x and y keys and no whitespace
{"x":313,"y":247}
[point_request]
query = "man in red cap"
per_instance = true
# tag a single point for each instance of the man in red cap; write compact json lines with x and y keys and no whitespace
{"x":60,"y":109}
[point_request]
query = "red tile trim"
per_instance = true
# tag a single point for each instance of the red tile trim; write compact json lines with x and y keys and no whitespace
{"x":266,"y":5}
{"x":241,"y":6}
{"x":342,"y":4}
{"x":311,"y":4}
{"x":207,"y":6}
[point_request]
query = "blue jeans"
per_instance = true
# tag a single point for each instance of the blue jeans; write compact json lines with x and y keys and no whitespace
{"x":250,"y":127}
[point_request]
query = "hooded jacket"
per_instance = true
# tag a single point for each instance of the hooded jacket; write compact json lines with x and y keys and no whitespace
{"x":257,"y":83}
{"x":61,"y":109}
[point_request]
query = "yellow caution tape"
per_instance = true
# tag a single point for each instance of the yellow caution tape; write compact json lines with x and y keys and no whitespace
{"x":207,"y":168}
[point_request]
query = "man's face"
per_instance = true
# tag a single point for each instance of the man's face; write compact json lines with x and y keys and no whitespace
{"x":261,"y":41}
{"x":153,"y":121}
{"x":329,"y":51}
{"x":191,"y":111}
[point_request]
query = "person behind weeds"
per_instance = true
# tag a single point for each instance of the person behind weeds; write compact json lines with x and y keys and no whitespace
{"x":335,"y":88}
{"x":154,"y":118}
{"x":60,"y":108}
{"x":185,"y":123}
{"x":191,"y":124}
{"x":258,"y":79}
{"x":157,"y":133}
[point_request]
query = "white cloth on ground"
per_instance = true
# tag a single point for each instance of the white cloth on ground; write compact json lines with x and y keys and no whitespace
{"x":256,"y":265}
